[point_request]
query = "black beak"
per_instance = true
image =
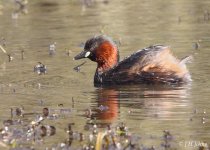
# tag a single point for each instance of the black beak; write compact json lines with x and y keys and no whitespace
{"x":80,"y":55}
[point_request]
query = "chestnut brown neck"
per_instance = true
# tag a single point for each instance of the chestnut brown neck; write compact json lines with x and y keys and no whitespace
{"x":106,"y":56}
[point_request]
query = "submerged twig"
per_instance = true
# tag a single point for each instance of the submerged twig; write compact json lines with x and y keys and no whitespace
{"x":77,"y":68}
{"x":22,"y":54}
{"x":10,"y":58}
{"x":1,"y":47}
{"x":99,"y":140}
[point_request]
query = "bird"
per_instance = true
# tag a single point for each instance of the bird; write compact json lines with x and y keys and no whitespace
{"x":151,"y":65}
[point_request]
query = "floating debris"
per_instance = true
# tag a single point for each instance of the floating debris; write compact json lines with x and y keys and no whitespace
{"x":122,"y":130}
{"x":17,"y":111}
{"x":88,"y":113}
{"x":21,"y":9}
{"x":56,"y":113}
{"x":40,"y":68}
{"x":196,"y":45}
{"x":21,"y":3}
{"x":70,"y":133}
{"x":73,"y":102}
{"x":10,"y":58}
{"x":110,"y":138}
{"x":16,"y":133}
{"x":1,"y":14}
{"x":41,"y":102}
{"x":130,"y":111}
{"x":68,"y":52}
{"x":39,"y":85}
{"x":195,"y":111}
{"x":47,"y":130}
{"x":3,"y":42}
{"x":87,"y":3}
{"x":203,"y":120}
{"x":52,"y":49}
{"x":60,"y":105}
{"x":206,"y":15}
{"x":12,"y":122}
{"x":167,"y":137}
{"x":21,"y":131}
{"x":179,"y":19}
{"x":45,"y":112}
{"x":22,"y":54}
{"x":78,"y":68}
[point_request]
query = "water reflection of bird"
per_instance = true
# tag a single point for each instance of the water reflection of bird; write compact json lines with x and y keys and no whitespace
{"x":154,"y":64}
{"x":106,"y":109}
{"x":107,"y":104}
{"x":155,"y":101}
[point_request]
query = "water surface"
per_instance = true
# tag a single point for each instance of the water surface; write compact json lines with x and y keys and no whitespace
{"x":146,"y":110}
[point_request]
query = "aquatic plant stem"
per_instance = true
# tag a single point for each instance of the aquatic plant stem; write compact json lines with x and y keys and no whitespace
{"x":99,"y":140}
{"x":3,"y":49}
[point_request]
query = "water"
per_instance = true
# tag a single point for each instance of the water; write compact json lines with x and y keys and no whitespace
{"x":146,"y":110}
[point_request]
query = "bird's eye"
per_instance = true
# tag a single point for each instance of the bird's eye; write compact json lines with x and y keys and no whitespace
{"x":87,"y":54}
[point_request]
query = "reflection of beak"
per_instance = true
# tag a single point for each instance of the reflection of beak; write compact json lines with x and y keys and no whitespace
{"x":81,"y":55}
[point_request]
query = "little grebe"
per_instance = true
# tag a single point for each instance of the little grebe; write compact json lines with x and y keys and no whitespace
{"x":154,"y":64}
